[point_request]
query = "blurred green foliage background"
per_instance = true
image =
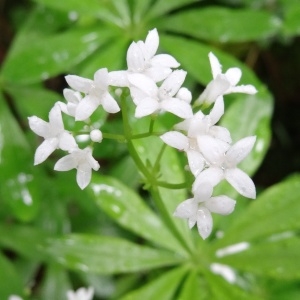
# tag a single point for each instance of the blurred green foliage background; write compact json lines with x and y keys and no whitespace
{"x":55,"y":237}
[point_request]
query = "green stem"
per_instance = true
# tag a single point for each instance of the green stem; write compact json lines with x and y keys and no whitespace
{"x":172,"y":186}
{"x":150,"y":178}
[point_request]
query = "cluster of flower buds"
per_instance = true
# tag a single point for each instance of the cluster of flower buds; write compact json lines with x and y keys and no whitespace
{"x":156,"y":87}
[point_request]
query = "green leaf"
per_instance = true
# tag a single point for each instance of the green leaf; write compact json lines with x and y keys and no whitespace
{"x":223,"y":25}
{"x":278,"y":258}
{"x":275,"y":211}
{"x":56,"y":283}
{"x":291,"y":16}
{"x":112,"y":56}
{"x":239,"y":120}
{"x":161,"y":7}
{"x":130,"y":211}
{"x":19,"y":188}
{"x":51,"y":56}
{"x":221,"y":289}
{"x":193,"y":288}
{"x":197,"y":63}
{"x":32,"y":100}
{"x":10,"y":280}
{"x":24,"y":240}
{"x":163,"y":287}
{"x":105,"y":10}
{"x":106,"y":255}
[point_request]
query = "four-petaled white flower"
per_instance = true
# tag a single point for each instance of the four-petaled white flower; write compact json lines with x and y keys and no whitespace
{"x":199,"y":124}
{"x":54,"y":134}
{"x":81,"y":294}
{"x":223,"y":83}
{"x":96,"y":93}
{"x":149,"y":98}
{"x":83,"y":161}
{"x":222,"y":160}
{"x":141,"y":59}
{"x":198,"y":210}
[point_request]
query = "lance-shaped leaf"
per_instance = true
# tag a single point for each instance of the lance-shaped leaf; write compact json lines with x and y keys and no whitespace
{"x":129,"y":210}
{"x":106,"y":255}
{"x":275,"y":211}
{"x":164,"y":287}
{"x":51,"y":55}
{"x":221,"y":24}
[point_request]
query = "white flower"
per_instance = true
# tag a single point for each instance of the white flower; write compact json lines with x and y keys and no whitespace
{"x":201,"y":124}
{"x":96,"y":93}
{"x":81,"y":294}
{"x":14,"y":297}
{"x":150,"y":99}
{"x":198,"y":125}
{"x":222,"y":160}
{"x":83,"y":161}
{"x":198,"y":209}
{"x":54,"y":134}
{"x":223,"y":83}
{"x":73,"y":98}
{"x":141,"y":59}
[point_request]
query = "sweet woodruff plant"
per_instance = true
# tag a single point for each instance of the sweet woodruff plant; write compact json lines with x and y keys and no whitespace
{"x":153,"y":83}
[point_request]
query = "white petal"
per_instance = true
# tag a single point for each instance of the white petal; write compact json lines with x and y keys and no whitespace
{"x":101,"y":79}
{"x":151,"y":43}
{"x":146,"y":107}
{"x":84,"y":175}
{"x":86,"y":107}
{"x":239,"y":150}
{"x":55,"y":119}
{"x":144,"y":83}
{"x":118,"y":78}
{"x":137,"y":95}
{"x":184,"y":94}
{"x":177,"y":107}
{"x":157,"y":73}
{"x":172,"y":84}
{"x":204,"y":222}
{"x":165,"y":60}
{"x":66,"y":141}
{"x":109,"y":104}
{"x":215,"y":65}
{"x":66,"y":163}
{"x":44,"y":150}
{"x":135,"y":58}
{"x":220,"y":133}
{"x":72,"y":96}
{"x":241,"y":182}
{"x":196,"y":162}
{"x":184,"y":125}
{"x":176,"y":140}
{"x":211,"y":175}
{"x":214,"y":89}
{"x":39,"y":126}
{"x":63,"y":107}
{"x":78,"y":83}
{"x":186,"y":209}
{"x":217,"y":111}
{"x":233,"y":75}
{"x":222,"y":205}
{"x":203,"y":192}
{"x":245,"y":89}
{"x":212,"y":149}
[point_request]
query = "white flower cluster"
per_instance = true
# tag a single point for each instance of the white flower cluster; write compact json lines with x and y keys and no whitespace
{"x":156,"y":87}
{"x":211,"y":157}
